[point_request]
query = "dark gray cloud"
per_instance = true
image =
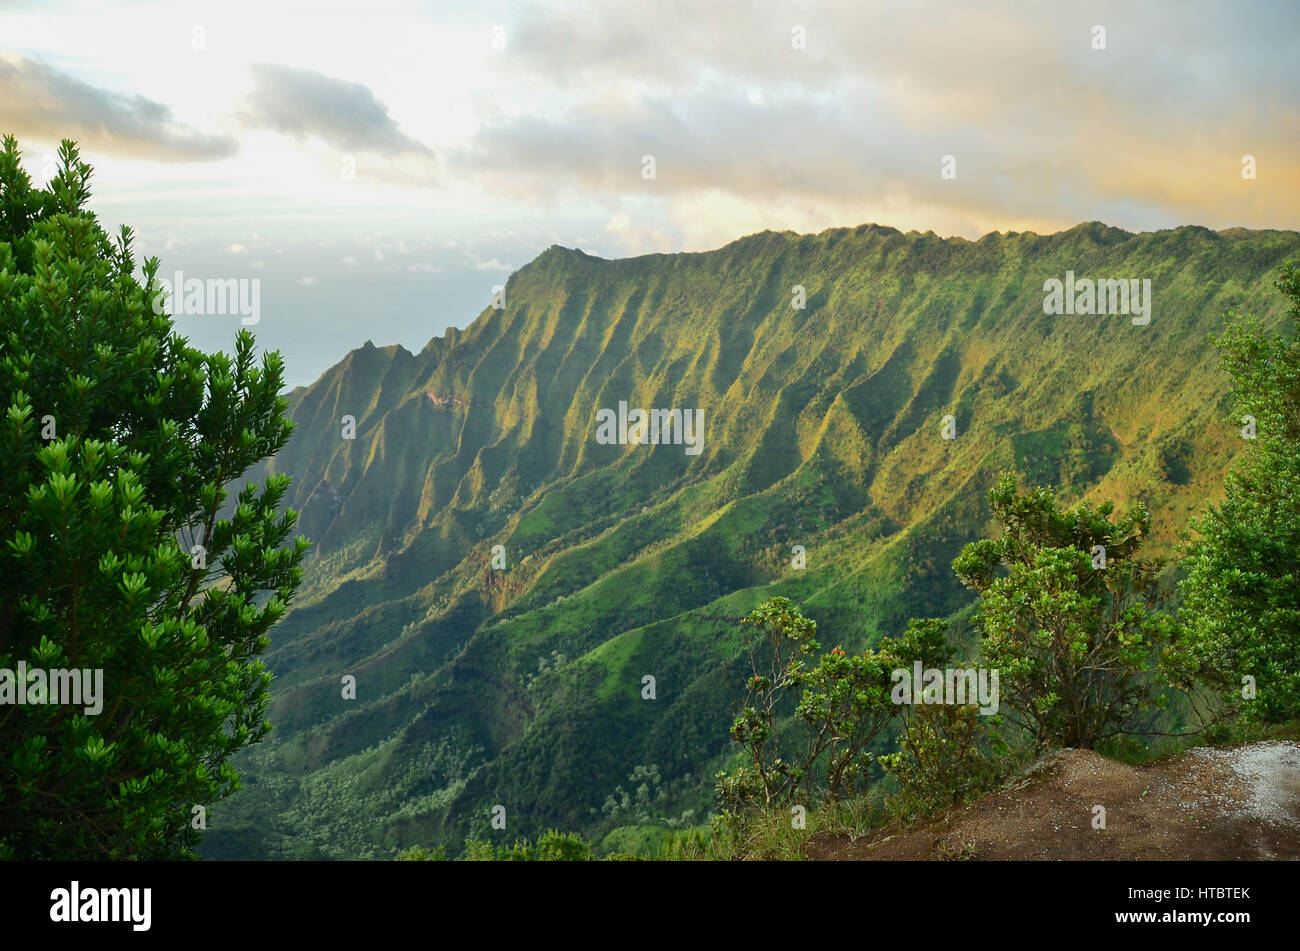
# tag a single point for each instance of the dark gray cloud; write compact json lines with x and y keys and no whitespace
{"x":38,"y":100}
{"x":344,"y":115}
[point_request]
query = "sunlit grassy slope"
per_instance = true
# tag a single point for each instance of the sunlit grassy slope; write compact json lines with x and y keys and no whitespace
{"x":523,"y":686}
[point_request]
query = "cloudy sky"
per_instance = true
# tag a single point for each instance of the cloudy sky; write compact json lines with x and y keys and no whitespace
{"x":379,"y":167}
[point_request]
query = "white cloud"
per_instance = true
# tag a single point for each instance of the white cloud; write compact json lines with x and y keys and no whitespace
{"x":748,"y":132}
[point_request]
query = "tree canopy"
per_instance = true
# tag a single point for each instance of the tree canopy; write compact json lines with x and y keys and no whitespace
{"x":1241,"y":592}
{"x":118,"y":552}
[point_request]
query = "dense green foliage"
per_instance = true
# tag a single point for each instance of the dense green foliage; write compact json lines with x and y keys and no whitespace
{"x":1069,"y":625}
{"x":1241,"y":593}
{"x":947,"y":752}
{"x":116,"y":443}
{"x":523,"y":685}
{"x":842,"y":703}
{"x":551,"y":847}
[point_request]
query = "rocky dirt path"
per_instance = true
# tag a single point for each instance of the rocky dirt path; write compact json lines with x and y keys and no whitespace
{"x":1238,"y":803}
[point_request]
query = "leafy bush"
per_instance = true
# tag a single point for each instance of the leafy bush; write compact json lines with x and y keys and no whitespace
{"x":843,"y":703}
{"x":562,"y":847}
{"x":948,"y":753}
{"x":1069,"y":625}
{"x":418,"y":853}
{"x":551,"y":847}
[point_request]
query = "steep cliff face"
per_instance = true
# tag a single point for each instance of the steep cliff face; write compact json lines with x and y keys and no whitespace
{"x":515,"y":674}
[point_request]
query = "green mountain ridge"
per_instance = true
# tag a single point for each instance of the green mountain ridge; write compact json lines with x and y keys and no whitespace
{"x":522,"y":686}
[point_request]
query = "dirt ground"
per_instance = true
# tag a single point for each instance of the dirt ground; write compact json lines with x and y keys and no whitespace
{"x":1238,"y":803}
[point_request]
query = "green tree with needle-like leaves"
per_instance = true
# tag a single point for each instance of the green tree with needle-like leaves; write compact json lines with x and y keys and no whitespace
{"x":118,"y":551}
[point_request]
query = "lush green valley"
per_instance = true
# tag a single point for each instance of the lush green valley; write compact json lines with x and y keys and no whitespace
{"x":515,"y":676}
